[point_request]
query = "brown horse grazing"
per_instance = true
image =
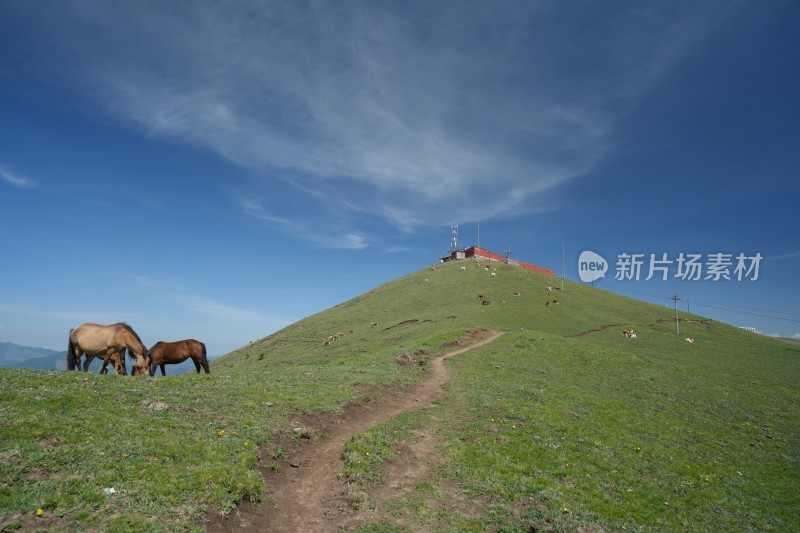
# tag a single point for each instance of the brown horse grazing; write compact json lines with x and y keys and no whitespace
{"x":119,"y":366}
{"x":172,"y":353}
{"x":119,"y":363}
{"x":106,"y":342}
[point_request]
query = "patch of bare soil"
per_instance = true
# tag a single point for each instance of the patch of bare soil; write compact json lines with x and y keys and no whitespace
{"x":305,"y":493}
{"x":659,"y":322}
{"x":593,"y":331}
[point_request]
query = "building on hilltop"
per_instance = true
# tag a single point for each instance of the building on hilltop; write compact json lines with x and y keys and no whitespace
{"x":475,"y":252}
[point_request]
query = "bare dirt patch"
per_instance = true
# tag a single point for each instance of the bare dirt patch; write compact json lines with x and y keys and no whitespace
{"x":593,"y":331}
{"x":417,"y":357}
{"x":305,"y":488}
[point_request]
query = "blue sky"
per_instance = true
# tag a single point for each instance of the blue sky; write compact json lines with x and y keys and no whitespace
{"x":221,"y":170}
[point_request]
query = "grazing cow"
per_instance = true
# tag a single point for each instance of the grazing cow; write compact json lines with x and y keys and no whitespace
{"x":485,"y":302}
{"x":463,"y":268}
{"x":555,"y":302}
{"x":426,"y":280}
{"x":516,"y":294}
{"x":480,"y":296}
{"x":628,"y":333}
{"x":494,"y":274}
{"x":374,"y":324}
{"x":549,"y":289}
{"x":547,"y":302}
{"x":486,"y":269}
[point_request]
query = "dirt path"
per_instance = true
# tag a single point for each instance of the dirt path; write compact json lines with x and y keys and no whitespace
{"x":306,"y":495}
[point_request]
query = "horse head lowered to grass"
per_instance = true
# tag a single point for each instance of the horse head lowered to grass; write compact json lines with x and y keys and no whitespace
{"x":107,"y":343}
{"x":172,"y":353}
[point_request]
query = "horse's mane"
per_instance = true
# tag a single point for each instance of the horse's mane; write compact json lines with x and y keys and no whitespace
{"x":130,"y":329}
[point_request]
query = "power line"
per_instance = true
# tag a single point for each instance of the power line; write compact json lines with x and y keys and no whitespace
{"x":727,"y":307}
{"x":748,"y":313}
{"x":709,"y":304}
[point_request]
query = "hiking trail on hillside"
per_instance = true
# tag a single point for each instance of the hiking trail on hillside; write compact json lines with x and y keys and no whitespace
{"x":306,"y":494}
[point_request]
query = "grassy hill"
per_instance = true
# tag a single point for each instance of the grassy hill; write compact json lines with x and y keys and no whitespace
{"x":561,"y":425}
{"x":429,"y":307}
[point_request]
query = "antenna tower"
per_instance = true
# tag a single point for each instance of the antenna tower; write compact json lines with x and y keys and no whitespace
{"x":454,"y":243}
{"x":507,"y":252}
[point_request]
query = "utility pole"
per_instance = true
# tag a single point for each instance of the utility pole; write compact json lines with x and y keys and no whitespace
{"x":675,"y":298}
{"x":563,"y":265}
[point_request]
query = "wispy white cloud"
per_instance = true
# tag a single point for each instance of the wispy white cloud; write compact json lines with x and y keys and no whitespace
{"x":185,"y":301}
{"x":74,"y":316}
{"x":782,"y":257}
{"x":220,"y":311}
{"x":17,"y":180}
{"x":297,"y":228}
{"x":419,"y":115}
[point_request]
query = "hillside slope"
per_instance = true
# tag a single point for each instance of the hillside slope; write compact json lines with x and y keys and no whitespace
{"x":438,"y":304}
{"x":564,"y":424}
{"x":561,"y":424}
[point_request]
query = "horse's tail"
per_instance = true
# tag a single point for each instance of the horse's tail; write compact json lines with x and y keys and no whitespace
{"x":205,"y":358}
{"x":71,"y":359}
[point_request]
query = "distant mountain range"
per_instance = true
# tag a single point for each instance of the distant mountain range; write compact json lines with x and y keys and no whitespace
{"x":16,"y":356}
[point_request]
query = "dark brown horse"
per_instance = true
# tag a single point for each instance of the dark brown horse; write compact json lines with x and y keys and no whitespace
{"x":172,"y":353}
{"x":108,"y":343}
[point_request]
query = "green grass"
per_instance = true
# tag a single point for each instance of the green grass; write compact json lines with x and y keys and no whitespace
{"x":545,"y":428}
{"x":620,"y":434}
{"x":645,"y":438}
{"x":161,"y":443}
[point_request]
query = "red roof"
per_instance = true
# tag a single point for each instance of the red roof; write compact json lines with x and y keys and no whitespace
{"x":475,"y":251}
